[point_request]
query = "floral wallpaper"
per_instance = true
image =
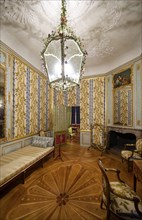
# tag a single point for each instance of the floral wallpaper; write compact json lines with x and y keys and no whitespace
{"x":27,"y":97}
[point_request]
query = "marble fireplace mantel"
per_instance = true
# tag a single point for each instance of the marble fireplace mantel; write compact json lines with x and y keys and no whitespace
{"x":137,"y":132}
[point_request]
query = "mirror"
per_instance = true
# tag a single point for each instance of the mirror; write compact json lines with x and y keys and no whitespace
{"x":2,"y":103}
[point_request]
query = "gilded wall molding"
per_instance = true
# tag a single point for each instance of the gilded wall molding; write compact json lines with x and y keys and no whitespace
{"x":3,"y":69}
{"x":43,"y":105}
{"x":84,"y":105}
{"x":117,"y":69}
{"x":34,"y":101}
{"x":124,"y":66}
{"x":20,"y":99}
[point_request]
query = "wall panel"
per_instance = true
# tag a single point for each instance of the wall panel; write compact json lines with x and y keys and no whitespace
{"x":27,"y":98}
{"x":19,"y":94}
{"x":43,"y":104}
{"x":84,"y":105}
{"x":33,"y":102}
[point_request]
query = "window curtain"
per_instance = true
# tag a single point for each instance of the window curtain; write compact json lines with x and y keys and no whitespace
{"x":73,"y":116}
{"x":61,"y":118}
{"x":77,"y":114}
{"x":68,"y":118}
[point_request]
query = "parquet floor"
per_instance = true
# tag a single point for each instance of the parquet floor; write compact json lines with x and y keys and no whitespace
{"x":63,"y":190}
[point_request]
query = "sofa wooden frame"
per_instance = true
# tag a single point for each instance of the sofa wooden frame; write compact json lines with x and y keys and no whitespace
{"x":20,"y":177}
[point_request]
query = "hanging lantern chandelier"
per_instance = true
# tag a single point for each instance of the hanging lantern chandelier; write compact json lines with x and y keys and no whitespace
{"x":63,"y":55}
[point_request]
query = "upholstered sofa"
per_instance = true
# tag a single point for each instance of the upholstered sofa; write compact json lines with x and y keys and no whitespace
{"x":20,"y":159}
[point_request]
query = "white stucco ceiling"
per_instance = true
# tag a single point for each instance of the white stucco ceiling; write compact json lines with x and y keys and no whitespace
{"x":110,"y":29}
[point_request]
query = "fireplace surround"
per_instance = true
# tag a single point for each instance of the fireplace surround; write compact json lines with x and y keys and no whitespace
{"x":118,"y":136}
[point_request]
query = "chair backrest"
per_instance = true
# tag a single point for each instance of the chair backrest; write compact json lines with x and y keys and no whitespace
{"x":42,"y":133}
{"x":139,"y":144}
{"x":105,"y":184}
{"x":70,"y":130}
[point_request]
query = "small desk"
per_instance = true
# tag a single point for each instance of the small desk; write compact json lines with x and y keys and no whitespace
{"x":137,"y":171}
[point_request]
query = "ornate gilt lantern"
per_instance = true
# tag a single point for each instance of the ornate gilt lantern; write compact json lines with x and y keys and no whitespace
{"x":63,"y":55}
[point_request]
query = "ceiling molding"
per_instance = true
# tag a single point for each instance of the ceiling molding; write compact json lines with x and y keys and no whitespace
{"x":109,"y":29}
{"x":10,"y":51}
{"x":117,"y":69}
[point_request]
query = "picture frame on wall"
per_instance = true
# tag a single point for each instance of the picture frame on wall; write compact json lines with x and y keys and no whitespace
{"x":122,"y":79}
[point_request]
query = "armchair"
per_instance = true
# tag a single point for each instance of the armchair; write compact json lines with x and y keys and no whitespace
{"x":118,"y":197}
{"x":71,"y":133}
{"x":132,"y":152}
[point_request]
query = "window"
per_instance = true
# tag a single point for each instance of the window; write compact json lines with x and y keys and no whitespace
{"x":75,"y":115}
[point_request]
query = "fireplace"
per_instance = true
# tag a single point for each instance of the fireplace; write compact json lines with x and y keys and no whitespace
{"x":118,"y":137}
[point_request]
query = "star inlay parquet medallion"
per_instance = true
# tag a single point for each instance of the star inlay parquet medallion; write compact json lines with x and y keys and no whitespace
{"x":66,"y":190}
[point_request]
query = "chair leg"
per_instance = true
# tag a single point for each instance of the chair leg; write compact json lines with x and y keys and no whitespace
{"x":108,"y":215}
{"x":101,"y":205}
{"x":130,"y":166}
{"x":107,"y":209}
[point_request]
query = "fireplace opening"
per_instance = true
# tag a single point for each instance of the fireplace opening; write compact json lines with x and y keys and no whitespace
{"x":116,"y":140}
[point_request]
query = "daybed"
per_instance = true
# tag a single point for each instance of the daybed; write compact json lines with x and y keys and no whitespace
{"x":16,"y":164}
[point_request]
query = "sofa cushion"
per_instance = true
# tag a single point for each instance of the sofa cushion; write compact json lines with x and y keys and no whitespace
{"x":50,"y":141}
{"x":39,"y":141}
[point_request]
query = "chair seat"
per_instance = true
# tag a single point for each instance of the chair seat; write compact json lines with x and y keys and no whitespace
{"x":126,"y":154}
{"x":122,"y":206}
{"x":118,"y":197}
{"x":123,"y":190}
{"x":73,"y":134}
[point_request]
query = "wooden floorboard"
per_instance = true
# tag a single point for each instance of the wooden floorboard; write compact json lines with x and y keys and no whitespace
{"x":67,"y":189}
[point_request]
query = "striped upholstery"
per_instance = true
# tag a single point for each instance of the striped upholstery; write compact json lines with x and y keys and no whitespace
{"x":132,"y":152}
{"x":15,"y":162}
{"x":126,"y":154}
{"x":139,"y":145}
{"x":131,"y":155}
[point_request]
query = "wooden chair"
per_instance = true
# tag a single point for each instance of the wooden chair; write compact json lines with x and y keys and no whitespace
{"x":71,"y":133}
{"x":42,"y":133}
{"x":132,"y":152}
{"x":118,"y":197}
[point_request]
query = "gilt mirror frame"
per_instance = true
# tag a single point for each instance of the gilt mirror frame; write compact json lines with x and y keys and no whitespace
{"x":123,"y":82}
{"x":2,"y":103}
